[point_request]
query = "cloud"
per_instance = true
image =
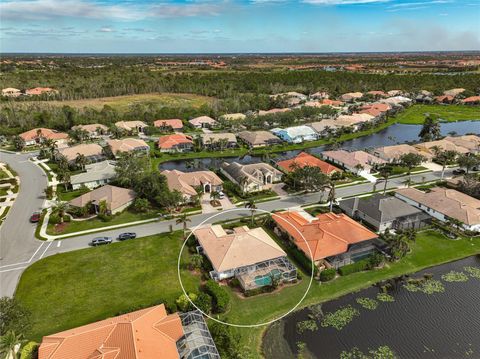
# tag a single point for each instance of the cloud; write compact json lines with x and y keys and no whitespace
{"x":343,"y":2}
{"x":105,"y":29}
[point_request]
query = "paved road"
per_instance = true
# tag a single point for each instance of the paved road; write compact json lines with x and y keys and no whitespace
{"x":18,"y":246}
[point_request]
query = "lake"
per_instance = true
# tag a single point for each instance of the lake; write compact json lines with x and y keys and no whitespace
{"x":396,"y":133}
{"x":415,"y":325}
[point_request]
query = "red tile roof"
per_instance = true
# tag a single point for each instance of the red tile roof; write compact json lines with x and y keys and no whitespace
{"x":169,"y":141}
{"x":471,"y":99}
{"x":327,"y":234}
{"x":329,"y":102}
{"x":174,"y":123}
{"x":45,"y":133}
{"x":304,"y":159}
{"x":143,"y":334}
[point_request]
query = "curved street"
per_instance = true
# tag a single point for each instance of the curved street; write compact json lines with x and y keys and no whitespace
{"x":18,"y":245}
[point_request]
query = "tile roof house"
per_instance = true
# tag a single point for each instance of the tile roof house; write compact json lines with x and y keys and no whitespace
{"x":11,"y":92}
{"x":177,"y":142}
{"x":454,"y":92}
{"x":470,"y":142}
{"x":333,"y":103}
{"x":174,"y":124}
{"x":273,"y":111}
{"x":36,"y":91}
{"x":444,"y":99}
{"x":377,"y":93}
{"x":37,"y":135}
{"x":252,"y":177}
{"x":324,"y":127}
{"x":427,"y":148}
{"x":233,"y":116}
{"x":96,"y":174}
{"x":319,"y":95}
{"x":397,"y":101}
{"x":304,"y":159}
{"x":116,"y":198}
{"x":187,"y":182}
{"x":143,"y":334}
{"x":128,"y":145}
{"x":471,"y":100}
{"x":351,"y":96}
{"x":203,"y":122}
{"x":94,"y":129}
{"x":442,"y":204}
{"x":333,"y":237}
{"x":296,"y":134}
{"x":355,"y":120}
{"x":375,"y":109}
{"x":92,"y":152}
{"x":383,"y":212}
{"x":131,"y":126}
{"x":393,"y":153}
{"x":355,"y":161}
{"x":213,"y":140}
{"x":255,"y":139}
{"x":241,"y":250}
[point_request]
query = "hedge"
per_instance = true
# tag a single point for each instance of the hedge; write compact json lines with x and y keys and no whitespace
{"x":29,"y":351}
{"x":359,"y":266}
{"x":327,"y":274}
{"x":219,"y":295}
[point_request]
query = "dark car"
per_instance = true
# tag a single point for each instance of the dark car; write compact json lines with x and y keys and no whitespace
{"x":35,"y":217}
{"x":127,"y":235}
{"x":458,"y":171}
{"x":100,"y":240}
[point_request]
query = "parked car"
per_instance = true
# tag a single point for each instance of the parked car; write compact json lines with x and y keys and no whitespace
{"x":458,"y":171}
{"x":221,"y":195}
{"x":35,"y":217}
{"x":127,"y":235}
{"x":98,"y":241}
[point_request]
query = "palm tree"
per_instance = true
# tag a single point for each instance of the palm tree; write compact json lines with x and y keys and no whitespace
{"x":64,"y":177}
{"x":331,"y":194}
{"x":215,"y":196}
{"x":9,"y":342}
{"x":444,"y":157}
{"x":61,"y":208}
{"x":243,"y":184}
{"x":81,"y":161}
{"x":385,"y":173}
{"x":252,"y":206}
{"x":183,"y":219}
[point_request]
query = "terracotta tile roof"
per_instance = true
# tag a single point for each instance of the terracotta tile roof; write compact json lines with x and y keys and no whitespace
{"x":45,"y":133}
{"x":450,"y":202}
{"x":327,"y":234}
{"x":394,"y":152}
{"x":174,"y":123}
{"x":471,"y":99}
{"x":86,"y":149}
{"x":130,"y":125}
{"x":454,"y":92}
{"x":444,"y":98}
{"x":241,"y":248}
{"x":115,"y":197}
{"x":329,"y":102}
{"x":259,"y":138}
{"x":126,"y":145}
{"x":471,"y":142}
{"x":185,"y":182}
{"x":198,"y":121}
{"x":40,"y":90}
{"x":350,"y":96}
{"x":143,"y":334}
{"x":426,"y":148}
{"x":93,"y":127}
{"x":375,"y":109}
{"x":352,"y":159}
{"x":216,"y":136}
{"x":304,"y":159}
{"x":170,"y":141}
{"x":377,"y":93}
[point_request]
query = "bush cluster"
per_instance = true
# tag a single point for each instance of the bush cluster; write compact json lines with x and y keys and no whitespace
{"x":220,"y":296}
{"x":327,"y":274}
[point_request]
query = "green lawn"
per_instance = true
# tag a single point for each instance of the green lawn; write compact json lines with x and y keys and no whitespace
{"x":67,"y":195}
{"x":120,"y":218}
{"x":75,"y":288}
{"x":450,"y":113}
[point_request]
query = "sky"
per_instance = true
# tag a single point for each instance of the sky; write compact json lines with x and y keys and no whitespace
{"x":238,"y":26}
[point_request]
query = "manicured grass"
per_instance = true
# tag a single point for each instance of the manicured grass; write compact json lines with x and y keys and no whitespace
{"x":448,"y":113}
{"x":120,"y":218}
{"x":124,"y":103}
{"x":431,"y":248}
{"x":67,"y":195}
{"x":75,"y":288}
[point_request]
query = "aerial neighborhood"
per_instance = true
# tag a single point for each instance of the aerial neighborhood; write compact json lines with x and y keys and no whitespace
{"x":243,"y":208}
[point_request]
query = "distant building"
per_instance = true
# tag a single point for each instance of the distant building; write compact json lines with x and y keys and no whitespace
{"x":177,"y":142}
{"x":190,"y":183}
{"x":296,"y":134}
{"x":273,"y":111}
{"x":214,"y":140}
{"x":173,"y":124}
{"x":116,"y":199}
{"x":143,"y":334}
{"x":40,"y":91}
{"x":11,"y":92}
{"x":472,"y":100}
{"x":91,"y":151}
{"x":94,"y":130}
{"x":233,"y":117}
{"x":203,"y":122}
{"x":131,"y":127}
{"x":304,"y":159}
{"x":354,"y":162}
{"x":393,"y":153}
{"x":253,"y":177}
{"x":38,"y":135}
{"x":128,"y":145}
{"x":454,"y":92}
{"x":385,"y":212}
{"x":255,"y":139}
{"x":95,"y":175}
{"x":351,"y":96}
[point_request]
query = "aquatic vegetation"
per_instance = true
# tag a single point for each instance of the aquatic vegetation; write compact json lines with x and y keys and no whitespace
{"x":383,"y":352}
{"x":316,"y":312}
{"x":454,"y":276}
{"x":428,"y":286}
{"x":368,"y":303}
{"x":474,"y":272}
{"x":385,"y":297}
{"x":306,"y":325}
{"x":340,"y":318}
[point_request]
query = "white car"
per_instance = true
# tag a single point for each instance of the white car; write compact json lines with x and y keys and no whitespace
{"x":221,"y":195}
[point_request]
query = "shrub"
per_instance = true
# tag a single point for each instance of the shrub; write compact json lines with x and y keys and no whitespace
{"x":355,"y":267}
{"x":183,"y":303}
{"x":376,"y":259}
{"x":54,"y":219}
{"x":219,"y":295}
{"x":204,"y":302}
{"x":29,"y":351}
{"x":104,"y":217}
{"x":327,"y":274}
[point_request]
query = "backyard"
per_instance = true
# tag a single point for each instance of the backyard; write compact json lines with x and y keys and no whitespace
{"x":71,"y":289}
{"x":415,"y":114}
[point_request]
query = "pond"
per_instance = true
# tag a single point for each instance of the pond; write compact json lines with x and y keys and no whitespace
{"x":442,"y":324}
{"x":396,"y":133}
